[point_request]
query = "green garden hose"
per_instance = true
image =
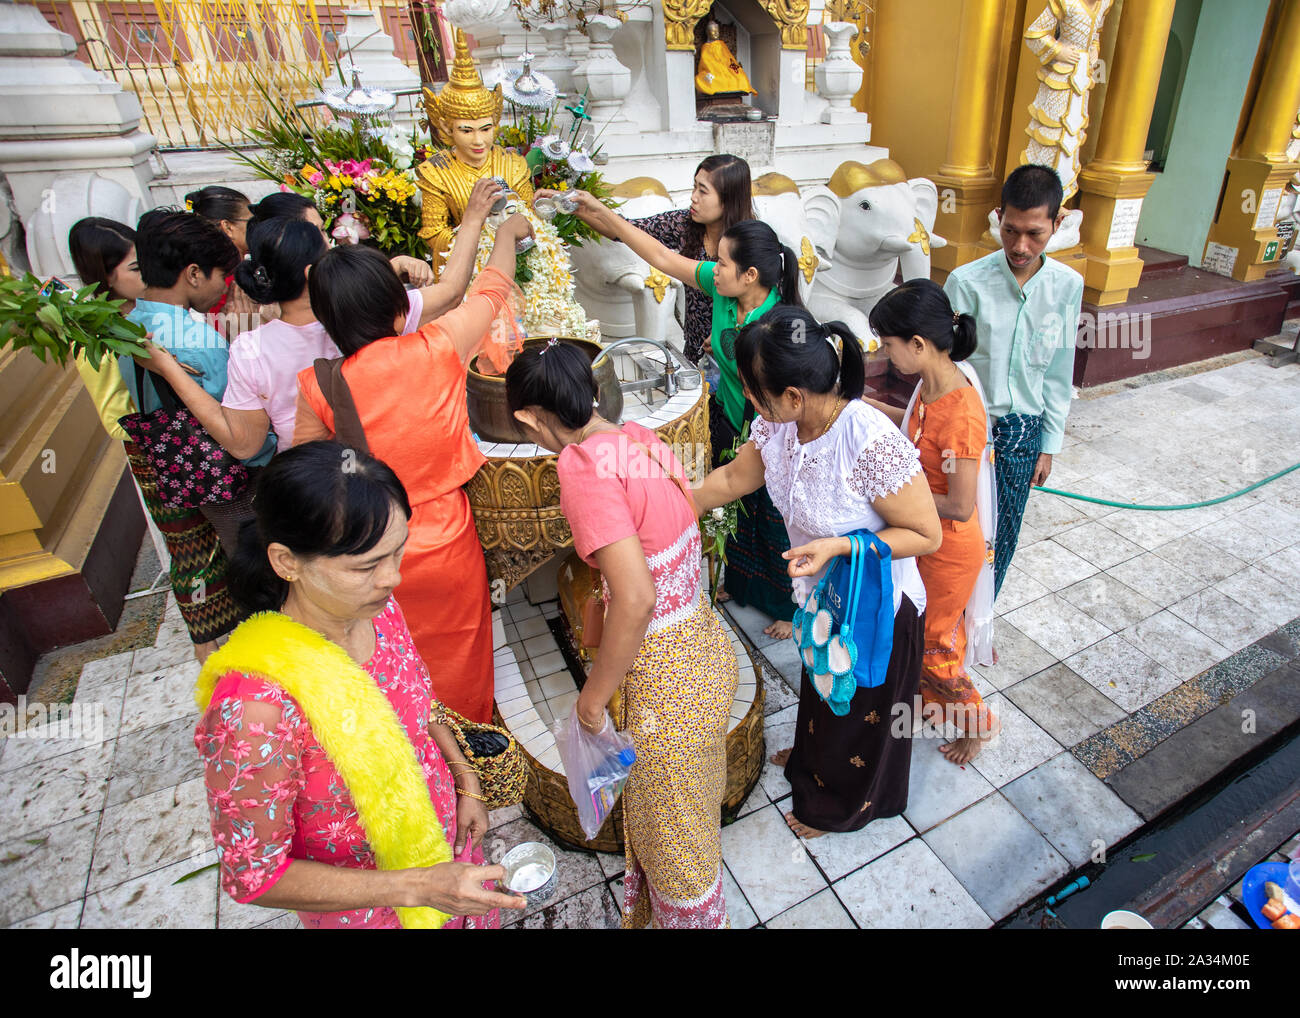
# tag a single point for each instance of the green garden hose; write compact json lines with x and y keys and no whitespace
{"x":1169,"y":508}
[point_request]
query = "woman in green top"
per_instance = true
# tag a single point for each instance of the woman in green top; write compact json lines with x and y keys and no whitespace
{"x":753,"y":273}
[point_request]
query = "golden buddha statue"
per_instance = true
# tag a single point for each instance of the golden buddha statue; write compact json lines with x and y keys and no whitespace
{"x":465,"y":115}
{"x":719,"y":71}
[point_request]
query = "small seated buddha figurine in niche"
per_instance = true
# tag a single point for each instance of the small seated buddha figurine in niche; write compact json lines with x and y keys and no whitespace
{"x":465,"y":116}
{"x":720,"y":72}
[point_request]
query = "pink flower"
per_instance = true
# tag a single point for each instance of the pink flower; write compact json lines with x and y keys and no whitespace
{"x":349,"y":229}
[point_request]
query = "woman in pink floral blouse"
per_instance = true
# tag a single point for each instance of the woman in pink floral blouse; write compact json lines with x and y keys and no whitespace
{"x":321,"y":560}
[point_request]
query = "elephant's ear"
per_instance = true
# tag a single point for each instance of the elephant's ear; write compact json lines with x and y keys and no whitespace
{"x":927,"y":206}
{"x":823,"y":210}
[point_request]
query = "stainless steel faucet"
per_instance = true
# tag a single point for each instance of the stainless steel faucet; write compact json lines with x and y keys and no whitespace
{"x":671,"y":365}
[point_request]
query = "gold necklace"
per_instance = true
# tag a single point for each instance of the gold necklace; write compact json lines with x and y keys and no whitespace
{"x":833,"y":414}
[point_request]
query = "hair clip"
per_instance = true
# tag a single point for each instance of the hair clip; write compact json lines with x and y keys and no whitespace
{"x":261,"y":276}
{"x":189,"y":205}
{"x":549,"y":343}
{"x":956,"y":317}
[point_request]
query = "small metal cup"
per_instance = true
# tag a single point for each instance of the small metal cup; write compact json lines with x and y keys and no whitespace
{"x":524,"y":865}
{"x":546,"y":208}
{"x":567,"y":203}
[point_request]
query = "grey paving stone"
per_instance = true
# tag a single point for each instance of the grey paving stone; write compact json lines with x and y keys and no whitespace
{"x":1121,"y":672}
{"x":1064,"y":705}
{"x":1229,"y":624}
{"x":156,"y":902}
{"x":937,"y":789}
{"x":822,"y":911}
{"x":1018,"y":656}
{"x":1174,"y":643}
{"x":997,"y":855}
{"x":44,"y":794}
{"x":158,"y":757}
{"x":1056,"y":626}
{"x":839,"y":854}
{"x":1075,"y":812}
{"x":1053,"y":565}
{"x":1099,"y":545}
{"x":1019,"y":747}
{"x":909,"y":888}
{"x":771,"y":866}
{"x":45,"y":869}
{"x":151,"y":832}
{"x":1109,"y":602}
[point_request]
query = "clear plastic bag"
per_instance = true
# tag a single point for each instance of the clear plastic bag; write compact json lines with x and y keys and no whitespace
{"x":596,"y":765}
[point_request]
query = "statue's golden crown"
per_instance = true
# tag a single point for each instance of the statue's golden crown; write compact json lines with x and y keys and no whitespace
{"x":463,"y":97}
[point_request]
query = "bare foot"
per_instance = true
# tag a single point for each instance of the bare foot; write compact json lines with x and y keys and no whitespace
{"x":722,"y":597}
{"x":802,"y":830}
{"x":779,"y":758}
{"x":203,"y":650}
{"x":780,"y":630}
{"x":995,"y":655}
{"x":964,"y":750}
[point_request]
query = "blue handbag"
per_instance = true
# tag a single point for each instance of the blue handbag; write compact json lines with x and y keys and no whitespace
{"x":845,"y":631}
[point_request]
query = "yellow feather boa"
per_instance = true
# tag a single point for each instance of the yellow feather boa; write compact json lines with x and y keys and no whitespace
{"x":359,"y":731}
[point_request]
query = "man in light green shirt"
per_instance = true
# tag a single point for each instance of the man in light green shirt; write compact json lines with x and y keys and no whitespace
{"x":1026,"y":308}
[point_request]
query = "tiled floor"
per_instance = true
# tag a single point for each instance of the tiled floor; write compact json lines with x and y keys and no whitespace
{"x":1105,"y":611}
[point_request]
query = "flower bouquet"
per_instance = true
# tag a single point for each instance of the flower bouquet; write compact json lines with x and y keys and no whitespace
{"x":359,"y":173}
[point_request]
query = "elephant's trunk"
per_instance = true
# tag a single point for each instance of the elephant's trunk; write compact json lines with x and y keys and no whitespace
{"x":895,"y":245}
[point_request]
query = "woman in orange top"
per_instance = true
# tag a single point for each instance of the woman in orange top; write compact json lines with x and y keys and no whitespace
{"x":949,"y":426}
{"x":409,"y":394}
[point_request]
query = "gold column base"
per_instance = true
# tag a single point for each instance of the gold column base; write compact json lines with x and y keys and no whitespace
{"x":1248,"y":180}
{"x":963,"y":218}
{"x":1109,"y":273}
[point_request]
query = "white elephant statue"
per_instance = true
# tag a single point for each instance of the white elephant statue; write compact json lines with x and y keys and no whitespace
{"x":778,"y":203}
{"x":618,"y":287}
{"x":868,"y":222}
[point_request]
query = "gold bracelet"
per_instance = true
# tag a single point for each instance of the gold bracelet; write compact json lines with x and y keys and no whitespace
{"x":589,"y":728}
{"x":472,"y":795}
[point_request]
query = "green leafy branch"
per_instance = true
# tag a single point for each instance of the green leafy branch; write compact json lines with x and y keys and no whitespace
{"x":65,"y":323}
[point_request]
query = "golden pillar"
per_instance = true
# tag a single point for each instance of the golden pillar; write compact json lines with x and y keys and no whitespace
{"x":967,"y":186}
{"x":1115,"y":181}
{"x":1243,"y":240}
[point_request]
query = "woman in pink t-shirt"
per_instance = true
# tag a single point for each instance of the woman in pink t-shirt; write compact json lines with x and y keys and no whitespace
{"x":623,"y":493}
{"x":262,"y":387}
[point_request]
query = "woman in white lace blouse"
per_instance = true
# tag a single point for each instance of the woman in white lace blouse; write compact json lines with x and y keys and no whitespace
{"x":832,"y":465}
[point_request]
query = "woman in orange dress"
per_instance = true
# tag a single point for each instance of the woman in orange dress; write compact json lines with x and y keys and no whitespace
{"x":409,"y":394}
{"x":947,"y":422}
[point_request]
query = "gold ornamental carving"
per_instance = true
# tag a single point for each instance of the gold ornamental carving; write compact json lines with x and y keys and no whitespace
{"x":657,"y":283}
{"x":680,"y":17}
{"x":808,"y":260}
{"x":791,"y":17}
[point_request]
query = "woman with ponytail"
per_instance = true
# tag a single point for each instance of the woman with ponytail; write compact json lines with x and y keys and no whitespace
{"x":947,"y":422}
{"x":625,"y":497}
{"x":753,"y":274}
{"x":333,"y":788}
{"x":833,"y":465}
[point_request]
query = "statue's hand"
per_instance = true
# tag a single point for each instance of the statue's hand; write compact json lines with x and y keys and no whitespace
{"x":1067,"y":53}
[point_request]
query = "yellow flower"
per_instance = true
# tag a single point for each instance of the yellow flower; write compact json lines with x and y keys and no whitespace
{"x":563,"y":185}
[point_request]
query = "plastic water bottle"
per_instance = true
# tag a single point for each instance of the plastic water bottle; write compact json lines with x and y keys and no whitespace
{"x":607,"y":781}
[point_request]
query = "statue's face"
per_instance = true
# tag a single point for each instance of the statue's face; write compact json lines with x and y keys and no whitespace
{"x":471,"y":139}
